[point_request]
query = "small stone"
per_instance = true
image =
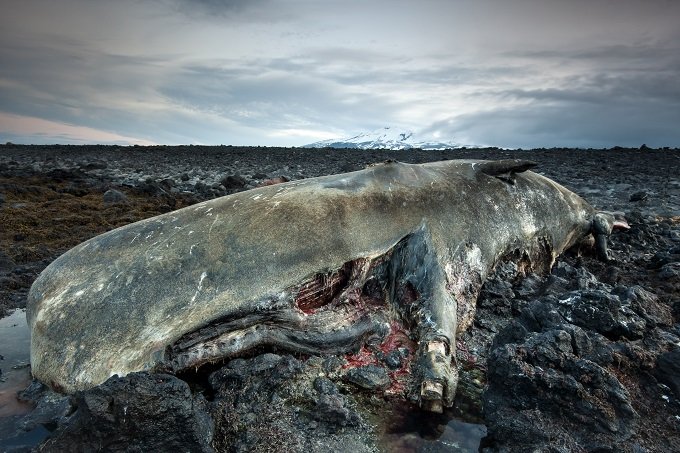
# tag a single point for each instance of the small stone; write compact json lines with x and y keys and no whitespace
{"x":234,"y":182}
{"x":393,"y":359}
{"x":332,"y":363}
{"x":167,"y":183}
{"x":333,"y":410}
{"x":325,"y":386}
{"x":369,"y":377}
{"x":670,"y":271}
{"x":638,"y":196}
{"x":113,"y":196}
{"x":97,"y":165}
{"x":6,"y":263}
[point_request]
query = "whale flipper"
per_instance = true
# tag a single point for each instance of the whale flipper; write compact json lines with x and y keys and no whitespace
{"x":421,"y":293}
{"x":505,"y":166}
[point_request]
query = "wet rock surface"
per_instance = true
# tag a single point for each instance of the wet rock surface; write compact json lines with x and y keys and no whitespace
{"x":582,"y":359}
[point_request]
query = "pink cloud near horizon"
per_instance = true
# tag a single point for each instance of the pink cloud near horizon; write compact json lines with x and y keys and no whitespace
{"x":18,"y":126}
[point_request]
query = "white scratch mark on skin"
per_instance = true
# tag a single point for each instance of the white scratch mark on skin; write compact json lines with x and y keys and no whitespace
{"x":135,"y":238}
{"x":212,"y":225}
{"x":281,"y":191}
{"x":158,"y":244}
{"x":200,"y":286}
{"x":190,"y":232}
{"x":209,"y":209}
{"x":191,"y":249}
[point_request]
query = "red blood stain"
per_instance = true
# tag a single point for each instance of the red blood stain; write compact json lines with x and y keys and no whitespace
{"x":367,"y":355}
{"x":362,"y":358}
{"x":397,"y":338}
{"x":273,"y":181}
{"x":322,"y":289}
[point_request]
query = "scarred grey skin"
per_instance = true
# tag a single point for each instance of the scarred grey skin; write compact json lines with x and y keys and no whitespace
{"x":227,"y":275}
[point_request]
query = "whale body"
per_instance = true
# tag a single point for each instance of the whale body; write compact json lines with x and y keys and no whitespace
{"x":319,"y":265}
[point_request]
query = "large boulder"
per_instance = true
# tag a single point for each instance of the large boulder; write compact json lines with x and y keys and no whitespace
{"x":136,"y":413}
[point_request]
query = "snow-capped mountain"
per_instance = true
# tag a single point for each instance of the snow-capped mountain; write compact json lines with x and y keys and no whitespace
{"x":385,"y":138}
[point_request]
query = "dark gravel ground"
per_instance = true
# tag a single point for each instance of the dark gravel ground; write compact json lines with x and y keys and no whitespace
{"x":585,"y":359}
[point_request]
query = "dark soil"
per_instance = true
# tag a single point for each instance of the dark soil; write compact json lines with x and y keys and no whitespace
{"x":598,"y":341}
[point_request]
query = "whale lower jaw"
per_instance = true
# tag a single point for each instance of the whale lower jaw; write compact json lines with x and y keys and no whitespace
{"x":331,"y":332}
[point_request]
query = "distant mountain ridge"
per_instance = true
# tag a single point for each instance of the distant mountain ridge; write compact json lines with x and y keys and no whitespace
{"x":385,"y":138}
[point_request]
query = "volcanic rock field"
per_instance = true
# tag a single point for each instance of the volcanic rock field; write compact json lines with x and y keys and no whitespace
{"x":586,"y":358}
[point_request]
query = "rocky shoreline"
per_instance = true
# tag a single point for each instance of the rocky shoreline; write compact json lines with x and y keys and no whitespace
{"x":584,"y":359}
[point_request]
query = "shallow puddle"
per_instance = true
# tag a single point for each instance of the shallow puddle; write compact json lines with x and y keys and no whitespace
{"x":14,"y":363}
{"x":416,"y":431}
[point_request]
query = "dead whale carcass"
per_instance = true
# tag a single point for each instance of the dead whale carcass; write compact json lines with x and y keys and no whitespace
{"x":317,"y":266}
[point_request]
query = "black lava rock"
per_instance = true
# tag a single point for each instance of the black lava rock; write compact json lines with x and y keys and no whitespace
{"x":6,"y":263}
{"x":543,"y":390}
{"x":136,"y":413}
{"x":369,"y":377}
{"x":668,"y":370}
{"x":670,"y":271}
{"x":638,"y":196}
{"x":272,"y":401}
{"x":325,"y":386}
{"x":234,"y":182}
{"x":393,"y":359}
{"x":604,"y":313}
{"x":333,"y":409}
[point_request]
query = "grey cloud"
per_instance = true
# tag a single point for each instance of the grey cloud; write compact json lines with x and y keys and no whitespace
{"x":328,"y":67}
{"x":568,"y":124}
{"x":636,"y":86}
{"x":628,"y":53}
{"x":272,"y":98}
{"x":250,"y":10}
{"x":357,"y":67}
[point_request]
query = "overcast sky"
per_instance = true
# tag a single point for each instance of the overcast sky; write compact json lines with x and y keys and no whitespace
{"x":510,"y":73}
